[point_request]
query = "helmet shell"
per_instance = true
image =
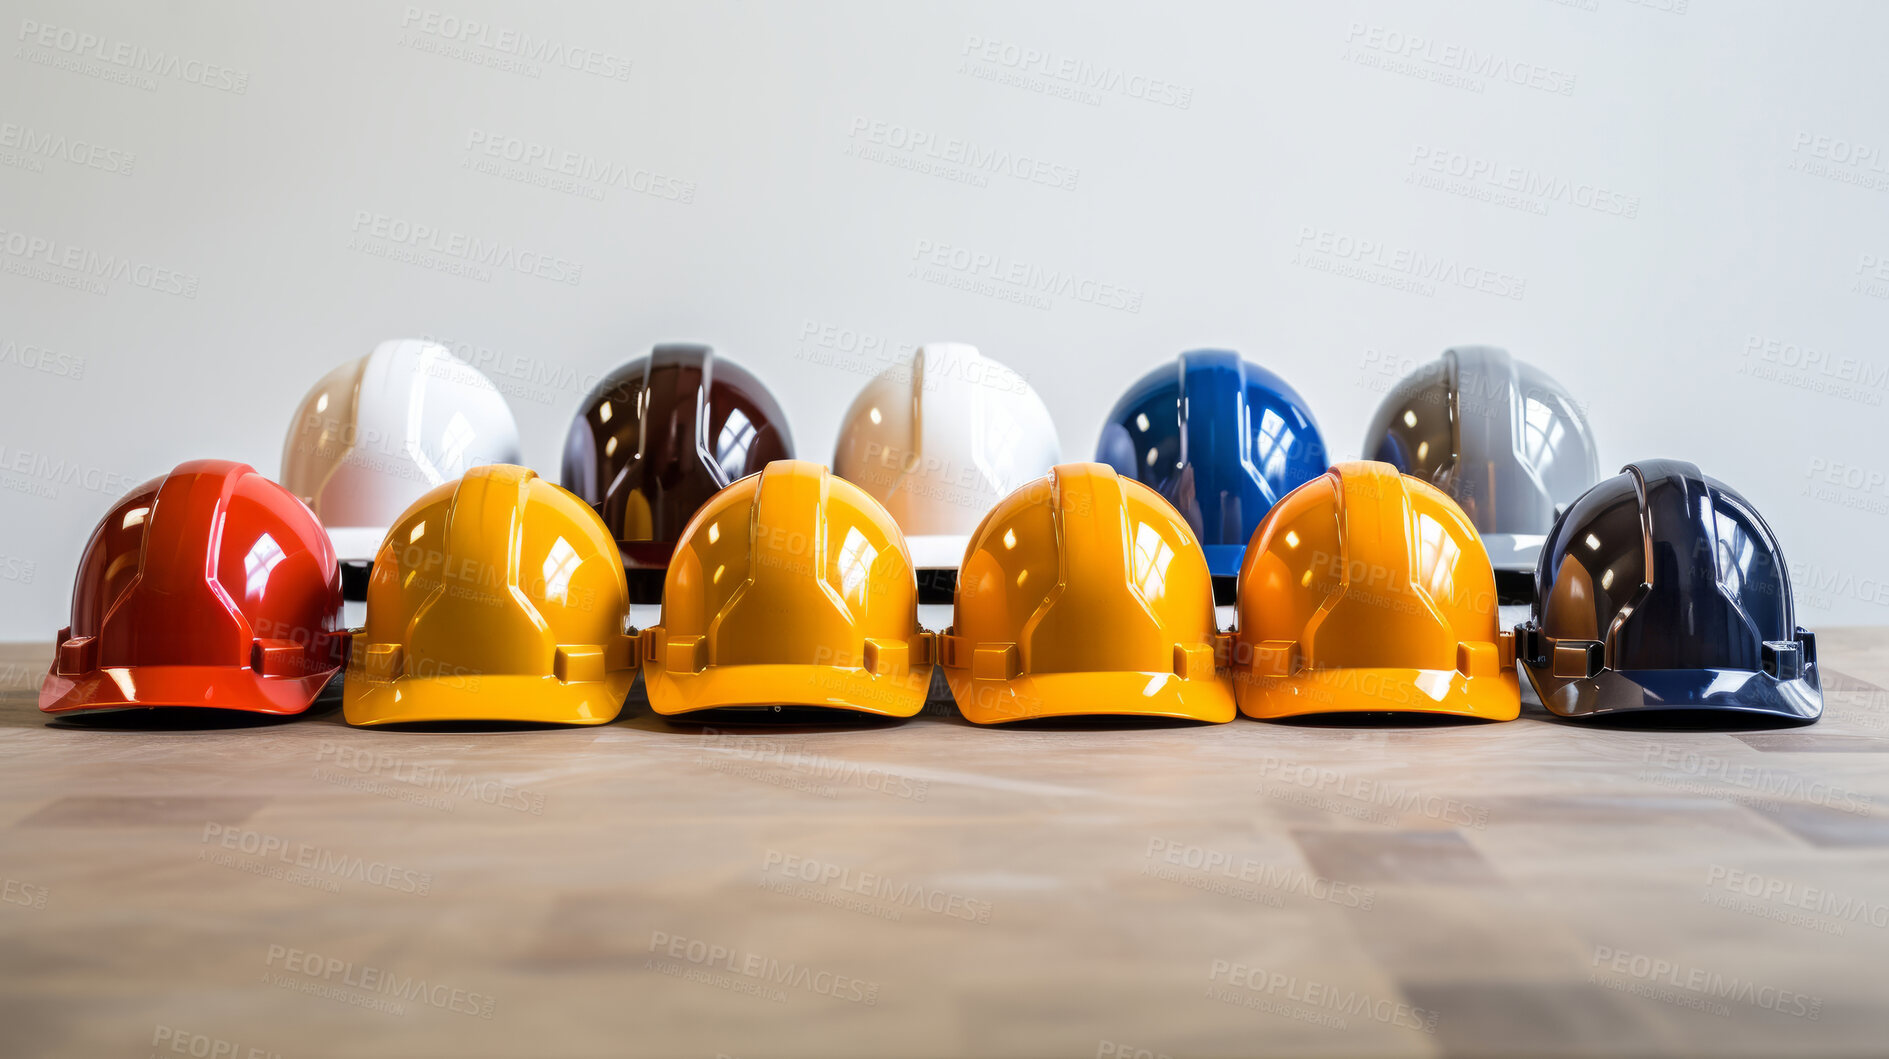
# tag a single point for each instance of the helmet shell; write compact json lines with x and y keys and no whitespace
{"x":939,"y":439}
{"x":1662,"y":588}
{"x":1221,"y":438}
{"x":210,"y":586}
{"x":496,"y":597}
{"x":790,"y":587}
{"x":1084,"y":592}
{"x":1369,"y":590}
{"x":660,"y":435}
{"x":378,"y":431}
{"x":1503,"y":439}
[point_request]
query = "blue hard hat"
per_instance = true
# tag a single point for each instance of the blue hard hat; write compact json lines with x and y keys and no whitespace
{"x":1663,"y":589}
{"x":1221,"y":438}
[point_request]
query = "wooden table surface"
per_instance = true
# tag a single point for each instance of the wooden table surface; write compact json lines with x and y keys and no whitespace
{"x":929,"y":888}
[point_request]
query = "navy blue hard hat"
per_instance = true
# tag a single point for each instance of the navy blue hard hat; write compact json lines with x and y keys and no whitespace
{"x":1221,"y":438}
{"x":1663,"y":589}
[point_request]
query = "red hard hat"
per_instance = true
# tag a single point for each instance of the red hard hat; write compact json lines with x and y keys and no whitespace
{"x":211,"y":586}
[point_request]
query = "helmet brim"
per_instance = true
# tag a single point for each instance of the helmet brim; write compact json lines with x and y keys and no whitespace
{"x":508,"y":698}
{"x":1443,"y":692}
{"x":195,"y":687}
{"x":1106,"y":694}
{"x":836,"y":687}
{"x":1736,"y":691}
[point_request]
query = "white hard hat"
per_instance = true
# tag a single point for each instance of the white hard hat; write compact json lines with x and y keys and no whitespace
{"x":939,"y":439}
{"x":379,"y":431}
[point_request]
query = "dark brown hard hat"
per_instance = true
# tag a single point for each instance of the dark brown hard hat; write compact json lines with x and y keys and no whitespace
{"x":659,"y":436}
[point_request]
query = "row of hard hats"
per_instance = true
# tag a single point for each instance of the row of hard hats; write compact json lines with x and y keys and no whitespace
{"x":938,"y":439}
{"x":499,"y":596}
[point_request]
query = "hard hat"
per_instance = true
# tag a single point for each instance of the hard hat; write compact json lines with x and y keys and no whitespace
{"x":497,"y":597}
{"x":938,"y":440}
{"x":1368,"y":590}
{"x":1084,"y":592}
{"x":659,"y":436}
{"x":380,"y":430}
{"x":1663,"y":589}
{"x":790,"y":587}
{"x":211,"y":586}
{"x":1221,"y":438}
{"x":1498,"y":435}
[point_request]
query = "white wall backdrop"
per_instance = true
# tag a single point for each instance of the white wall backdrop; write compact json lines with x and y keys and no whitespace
{"x":1680,"y":209}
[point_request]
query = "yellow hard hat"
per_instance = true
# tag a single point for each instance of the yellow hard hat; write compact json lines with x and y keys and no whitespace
{"x":496,"y":597}
{"x":1085,"y":593}
{"x":1369,"y":590}
{"x":790,"y":587}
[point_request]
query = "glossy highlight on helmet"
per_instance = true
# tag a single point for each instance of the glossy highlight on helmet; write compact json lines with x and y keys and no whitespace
{"x":1085,"y":593}
{"x":1220,"y":438}
{"x":940,"y":438}
{"x":791,"y":587}
{"x":1366,"y":590}
{"x":378,"y":431}
{"x":1663,"y":589}
{"x":497,"y":597}
{"x":660,"y":435}
{"x":211,"y":586}
{"x":1508,"y":443}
